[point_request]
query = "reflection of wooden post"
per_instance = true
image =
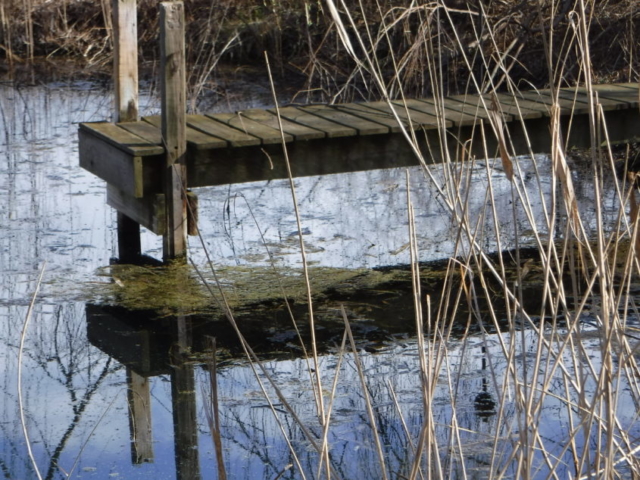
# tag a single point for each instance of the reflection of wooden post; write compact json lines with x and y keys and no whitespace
{"x":172,"y":86}
{"x":125,"y":67}
{"x":139,"y":418}
{"x":183,"y":400}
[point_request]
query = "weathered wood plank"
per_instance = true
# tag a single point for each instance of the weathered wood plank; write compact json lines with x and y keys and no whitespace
{"x":150,"y":133}
{"x":543,"y":97}
{"x":331,"y":129}
{"x":364,"y":126}
{"x":626,"y":94}
{"x":411,"y":117}
{"x":461,"y":115}
{"x":232,"y":136}
{"x":516,"y":102}
{"x":313,"y":157}
{"x":507,"y":108}
{"x":174,"y":126}
{"x":580,"y":95}
{"x":631,"y":85}
{"x":383,"y":117}
{"x":296,"y":130}
{"x":148,"y":211}
{"x":266,"y":134}
{"x":122,"y":139}
{"x":195,"y":138}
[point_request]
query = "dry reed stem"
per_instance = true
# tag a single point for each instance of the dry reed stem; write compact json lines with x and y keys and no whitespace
{"x":367,"y":397}
{"x":212,"y":411}
{"x":23,"y":337}
{"x":305,"y":267}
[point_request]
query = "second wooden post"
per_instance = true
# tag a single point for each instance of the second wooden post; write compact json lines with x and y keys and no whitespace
{"x":173,"y":91}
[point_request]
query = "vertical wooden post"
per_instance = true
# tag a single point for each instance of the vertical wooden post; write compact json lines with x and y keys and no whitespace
{"x":174,"y":105}
{"x":125,"y":67}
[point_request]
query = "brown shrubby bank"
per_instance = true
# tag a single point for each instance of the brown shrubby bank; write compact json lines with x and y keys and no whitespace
{"x":302,"y":40}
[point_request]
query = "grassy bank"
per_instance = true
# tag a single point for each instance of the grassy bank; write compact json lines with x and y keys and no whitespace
{"x":305,"y":47}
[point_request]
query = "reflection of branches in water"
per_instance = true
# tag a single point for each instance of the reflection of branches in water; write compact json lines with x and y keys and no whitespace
{"x":67,"y":348}
{"x":14,"y":453}
{"x":256,"y":447}
{"x":78,"y":410}
{"x":5,"y":470}
{"x":70,"y":353}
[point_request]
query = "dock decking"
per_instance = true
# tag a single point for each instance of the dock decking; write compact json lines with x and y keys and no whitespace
{"x":246,"y":146}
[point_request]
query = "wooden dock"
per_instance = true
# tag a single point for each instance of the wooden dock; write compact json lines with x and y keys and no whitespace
{"x":147,"y":181}
{"x":246,"y":146}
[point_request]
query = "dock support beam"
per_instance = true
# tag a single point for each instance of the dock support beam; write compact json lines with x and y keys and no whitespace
{"x":125,"y":65}
{"x":174,"y":126}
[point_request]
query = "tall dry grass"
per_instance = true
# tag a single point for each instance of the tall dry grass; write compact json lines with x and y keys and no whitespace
{"x":588,"y":277}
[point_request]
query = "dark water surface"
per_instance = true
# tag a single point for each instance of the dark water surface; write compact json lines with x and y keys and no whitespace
{"x":76,"y":405}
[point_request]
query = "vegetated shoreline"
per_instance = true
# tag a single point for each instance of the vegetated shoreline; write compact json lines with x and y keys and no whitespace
{"x":63,"y":39}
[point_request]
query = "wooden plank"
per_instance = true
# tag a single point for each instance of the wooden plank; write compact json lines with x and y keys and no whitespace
{"x":125,"y":59}
{"x":150,"y":133}
{"x":232,"y":136}
{"x":460,"y":114}
{"x":296,"y":130}
{"x":363,"y":125}
{"x":122,"y":139}
{"x":543,"y":97}
{"x":630,"y":85}
{"x":580,"y":95}
{"x":266,"y":134}
{"x":415,"y":118}
{"x":174,"y":126}
{"x":313,"y":157}
{"x":379,"y":116}
{"x":137,"y":176}
{"x":331,"y":129}
{"x":507,"y":108}
{"x":195,"y":138}
{"x":515,"y":102}
{"x":626,"y":94}
{"x":148,"y":211}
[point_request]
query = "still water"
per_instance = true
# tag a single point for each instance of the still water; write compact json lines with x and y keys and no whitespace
{"x":81,"y":360}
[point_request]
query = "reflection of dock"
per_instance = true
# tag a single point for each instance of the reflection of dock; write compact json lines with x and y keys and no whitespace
{"x":148,"y":352}
{"x":246,"y":146}
{"x":149,"y":164}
